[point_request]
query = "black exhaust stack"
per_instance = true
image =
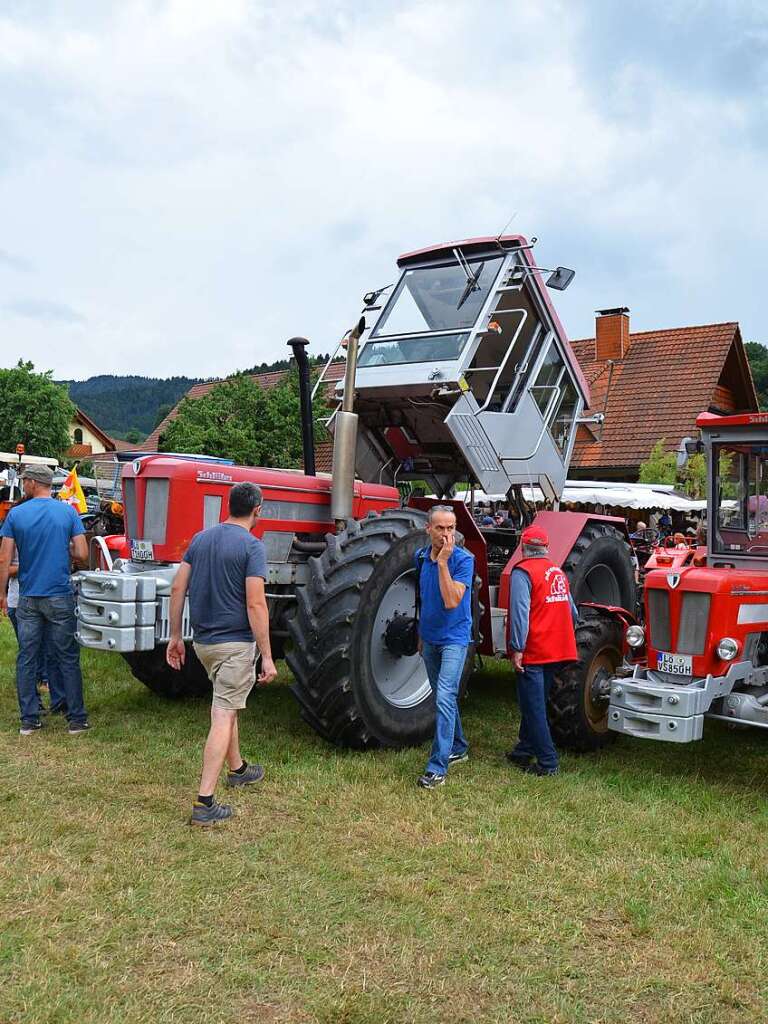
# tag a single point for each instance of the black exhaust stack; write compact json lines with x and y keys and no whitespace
{"x":299,"y":346}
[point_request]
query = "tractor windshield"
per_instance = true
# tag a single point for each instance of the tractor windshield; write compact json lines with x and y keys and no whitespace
{"x":740,"y":505}
{"x":431,"y":313}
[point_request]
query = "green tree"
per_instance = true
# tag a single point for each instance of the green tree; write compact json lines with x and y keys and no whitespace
{"x":240,"y":420}
{"x":757,"y":355}
{"x":162,"y":412}
{"x":133,"y":436}
{"x":693,"y":477}
{"x":660,"y":467}
{"x":34,"y":411}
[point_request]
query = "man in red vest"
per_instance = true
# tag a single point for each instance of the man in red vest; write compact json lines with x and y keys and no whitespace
{"x":542,"y":615}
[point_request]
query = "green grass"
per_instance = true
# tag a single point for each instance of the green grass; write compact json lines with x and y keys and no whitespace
{"x":633,"y":887}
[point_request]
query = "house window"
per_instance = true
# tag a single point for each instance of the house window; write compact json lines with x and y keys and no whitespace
{"x":77,"y":436}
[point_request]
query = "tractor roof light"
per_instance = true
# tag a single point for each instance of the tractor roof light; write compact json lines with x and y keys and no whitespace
{"x":635,"y":636}
{"x":727,"y":648}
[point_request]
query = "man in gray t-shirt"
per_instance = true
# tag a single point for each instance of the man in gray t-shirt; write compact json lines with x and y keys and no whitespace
{"x":224,"y":570}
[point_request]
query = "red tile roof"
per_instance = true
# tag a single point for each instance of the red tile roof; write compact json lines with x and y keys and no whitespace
{"x":79,"y":451}
{"x":266,"y":380}
{"x":657,"y":390}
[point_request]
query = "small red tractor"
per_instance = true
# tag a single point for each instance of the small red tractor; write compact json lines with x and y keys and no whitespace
{"x":460,"y":373}
{"x":703,"y":651}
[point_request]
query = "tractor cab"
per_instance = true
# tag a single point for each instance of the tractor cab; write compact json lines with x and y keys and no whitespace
{"x":465,"y":372}
{"x":704,"y":649}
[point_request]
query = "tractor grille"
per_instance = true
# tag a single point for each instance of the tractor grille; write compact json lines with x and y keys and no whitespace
{"x":692,"y":629}
{"x":694,"y":619}
{"x":660,"y":637}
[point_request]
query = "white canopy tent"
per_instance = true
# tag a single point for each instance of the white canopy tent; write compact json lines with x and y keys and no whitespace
{"x":612,"y":495}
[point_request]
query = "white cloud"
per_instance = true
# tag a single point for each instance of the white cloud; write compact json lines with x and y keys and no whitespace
{"x":201,"y":181}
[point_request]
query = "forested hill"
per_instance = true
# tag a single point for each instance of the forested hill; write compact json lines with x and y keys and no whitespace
{"x":135,"y":405}
{"x":120,"y":405}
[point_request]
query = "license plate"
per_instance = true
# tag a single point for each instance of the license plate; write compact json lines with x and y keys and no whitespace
{"x":675,"y":664}
{"x":142,"y":551}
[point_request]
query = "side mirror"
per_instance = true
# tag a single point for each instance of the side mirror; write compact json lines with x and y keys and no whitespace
{"x":560,"y":278}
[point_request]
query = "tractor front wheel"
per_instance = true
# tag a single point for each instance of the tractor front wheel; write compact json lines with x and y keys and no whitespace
{"x":578,"y":701}
{"x":151,"y":668}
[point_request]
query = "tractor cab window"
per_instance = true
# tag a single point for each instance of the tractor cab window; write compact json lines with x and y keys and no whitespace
{"x":431,"y":313}
{"x":741,"y":499}
{"x":556,"y":396}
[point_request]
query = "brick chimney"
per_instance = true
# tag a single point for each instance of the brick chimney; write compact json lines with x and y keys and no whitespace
{"x":611,"y":333}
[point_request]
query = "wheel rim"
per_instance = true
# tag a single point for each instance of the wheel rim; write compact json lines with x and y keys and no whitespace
{"x":600,"y":586}
{"x":401,"y":680}
{"x":596,"y":690}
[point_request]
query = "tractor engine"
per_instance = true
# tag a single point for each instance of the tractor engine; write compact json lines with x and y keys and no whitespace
{"x":704,"y":649}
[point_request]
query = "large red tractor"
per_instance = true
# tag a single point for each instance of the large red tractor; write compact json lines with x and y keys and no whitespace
{"x":460,"y":373}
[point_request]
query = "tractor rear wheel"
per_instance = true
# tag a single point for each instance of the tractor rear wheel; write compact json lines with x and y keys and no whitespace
{"x":600,"y":568}
{"x":358,"y":682}
{"x":578,"y":701}
{"x":151,"y":668}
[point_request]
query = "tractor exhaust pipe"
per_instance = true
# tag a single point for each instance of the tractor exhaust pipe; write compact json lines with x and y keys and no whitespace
{"x":345,"y":438}
{"x":299,"y":346}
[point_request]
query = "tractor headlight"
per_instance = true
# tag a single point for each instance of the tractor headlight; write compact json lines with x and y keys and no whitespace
{"x":635,"y":636}
{"x":727,"y":649}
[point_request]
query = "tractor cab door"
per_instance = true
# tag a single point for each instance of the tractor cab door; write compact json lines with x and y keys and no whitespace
{"x":516,"y":419}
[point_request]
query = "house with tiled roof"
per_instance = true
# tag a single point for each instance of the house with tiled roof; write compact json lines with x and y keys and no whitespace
{"x":651,"y":385}
{"x":88,"y":439}
{"x":323,"y":451}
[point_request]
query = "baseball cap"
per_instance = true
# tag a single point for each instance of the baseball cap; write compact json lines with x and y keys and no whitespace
{"x":535,"y":537}
{"x":41,"y":474}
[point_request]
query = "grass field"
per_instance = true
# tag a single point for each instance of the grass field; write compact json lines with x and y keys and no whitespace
{"x":633,"y":887}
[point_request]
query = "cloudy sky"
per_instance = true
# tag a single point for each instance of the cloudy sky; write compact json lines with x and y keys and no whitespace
{"x":187,"y":183}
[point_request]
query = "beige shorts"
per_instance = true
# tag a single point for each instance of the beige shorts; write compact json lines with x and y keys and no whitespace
{"x":231,"y":667}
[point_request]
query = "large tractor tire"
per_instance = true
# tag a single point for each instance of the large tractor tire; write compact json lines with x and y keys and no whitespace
{"x":151,"y":668}
{"x":578,"y":701}
{"x":600,"y":569}
{"x":356,"y":679}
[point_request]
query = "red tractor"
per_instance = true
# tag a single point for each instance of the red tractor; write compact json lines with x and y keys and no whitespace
{"x":703,"y":652}
{"x":460,"y":373}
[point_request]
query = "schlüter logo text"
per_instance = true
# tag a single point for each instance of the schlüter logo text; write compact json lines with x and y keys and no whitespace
{"x":211,"y":474}
{"x":558,"y":585}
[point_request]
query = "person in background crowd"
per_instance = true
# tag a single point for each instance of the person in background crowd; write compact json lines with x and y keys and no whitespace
{"x":640,"y":532}
{"x":487,"y":519}
{"x":680,"y":542}
{"x":542,"y":616}
{"x":701,"y":534}
{"x":445,"y":574}
{"x":665,"y":524}
{"x":46,"y":533}
{"x":224,"y":569}
{"x":506,"y":521}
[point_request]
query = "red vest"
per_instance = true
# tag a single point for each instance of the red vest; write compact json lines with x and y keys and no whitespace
{"x":550,"y":628}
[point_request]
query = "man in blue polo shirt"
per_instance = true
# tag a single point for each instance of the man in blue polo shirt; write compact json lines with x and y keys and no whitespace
{"x":445,"y":576}
{"x":45,"y":532}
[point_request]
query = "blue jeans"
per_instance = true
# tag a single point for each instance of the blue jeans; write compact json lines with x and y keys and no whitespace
{"x":445,"y":664}
{"x":533,"y":686}
{"x":42,"y":672}
{"x":57,"y":614}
